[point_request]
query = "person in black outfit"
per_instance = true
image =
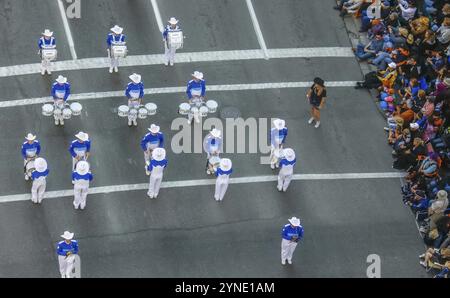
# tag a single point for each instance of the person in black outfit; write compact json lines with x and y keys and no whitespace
{"x":316,"y":96}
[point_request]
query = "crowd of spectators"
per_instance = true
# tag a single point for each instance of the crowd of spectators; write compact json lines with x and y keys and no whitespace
{"x":409,"y":47}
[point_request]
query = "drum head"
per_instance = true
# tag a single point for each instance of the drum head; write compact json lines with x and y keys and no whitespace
{"x":211,"y":104}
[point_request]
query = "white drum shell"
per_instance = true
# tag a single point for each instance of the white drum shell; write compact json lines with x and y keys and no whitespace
{"x":123,"y":110}
{"x":47,"y":109}
{"x":175,"y":39}
{"x":76,"y":108}
{"x":203,"y":111}
{"x":29,"y":167}
{"x":119,"y":51}
{"x":142,"y":113}
{"x":184,"y":108}
{"x":66,"y":113}
{"x":212,"y":106}
{"x":151,"y":108}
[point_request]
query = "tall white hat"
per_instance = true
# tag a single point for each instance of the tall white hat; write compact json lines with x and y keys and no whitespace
{"x":136,"y":78}
{"x":117,"y":29}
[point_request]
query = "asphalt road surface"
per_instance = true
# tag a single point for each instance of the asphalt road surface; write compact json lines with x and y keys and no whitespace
{"x":184,"y":232}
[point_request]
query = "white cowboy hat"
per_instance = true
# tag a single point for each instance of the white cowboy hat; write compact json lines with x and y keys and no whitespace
{"x":294,"y":221}
{"x":40,"y":164}
{"x":154,"y":128}
{"x":215,"y":133}
{"x":67,"y":235}
{"x":82,"y":136}
{"x":117,"y":29}
{"x":159,"y":154}
{"x":441,"y":195}
{"x":225,"y":164}
{"x":173,"y":21}
{"x":62,"y":80}
{"x":289,"y":154}
{"x":47,"y":33}
{"x":414,"y":125}
{"x":279,"y":123}
{"x":82,"y":167}
{"x":136,"y":78}
{"x":30,"y":137}
{"x":198,"y":75}
{"x":392,"y":65}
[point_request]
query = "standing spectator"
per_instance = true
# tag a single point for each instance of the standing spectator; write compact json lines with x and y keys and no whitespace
{"x":316,"y":95}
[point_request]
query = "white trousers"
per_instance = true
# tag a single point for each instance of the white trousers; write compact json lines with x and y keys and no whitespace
{"x":221,"y":189}
{"x":45,"y":65}
{"x":38,"y":190}
{"x":154,"y":185}
{"x":169,"y":53}
{"x":196,"y":116}
{"x":58,"y":117}
{"x":287,"y":249}
{"x":147,"y":156}
{"x":273,"y":158}
{"x":114,"y":62}
{"x":65,"y":266}
{"x":80,"y":195}
{"x":283,"y":181}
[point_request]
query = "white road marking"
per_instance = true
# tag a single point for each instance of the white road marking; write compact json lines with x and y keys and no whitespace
{"x":189,"y":57}
{"x":67,"y":30}
{"x":167,"y":90}
{"x":258,"y":31}
{"x":157,"y":15}
{"x":203,"y":182}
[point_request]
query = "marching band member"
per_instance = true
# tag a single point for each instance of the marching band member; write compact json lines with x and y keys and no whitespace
{"x":212,"y":145}
{"x":223,"y":177}
{"x":287,"y":169}
{"x":170,"y":52}
{"x":195,"y":91}
{"x":47,"y":41}
{"x":291,"y":234}
{"x":39,"y":180}
{"x":30,"y":150}
{"x":156,"y":167}
{"x":114,"y":38}
{"x":64,"y":250}
{"x":81,"y":178}
{"x":278,"y":136}
{"x":80,"y":148}
{"x":153,"y":139}
{"x":60,"y":93}
{"x":134,"y":93}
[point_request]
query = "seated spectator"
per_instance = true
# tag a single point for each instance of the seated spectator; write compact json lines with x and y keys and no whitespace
{"x":410,"y":156}
{"x":408,"y":11}
{"x":437,"y":208}
{"x":419,"y":26}
{"x":435,"y":255}
{"x":370,"y":50}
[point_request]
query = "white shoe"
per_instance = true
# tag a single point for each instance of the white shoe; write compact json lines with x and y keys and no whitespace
{"x":39,"y":201}
{"x":76,"y":207}
{"x":56,"y":122}
{"x":110,"y":70}
{"x":155,"y":195}
{"x":197,"y":120}
{"x":317,"y":124}
{"x":283,"y":262}
{"x":82,"y":207}
{"x":150,"y":195}
{"x":130,"y":123}
{"x":279,"y":188}
{"x":147,"y":173}
{"x":166,"y":63}
{"x":290,"y":262}
{"x":277,"y":165}
{"x":208,"y":172}
{"x":61,"y":122}
{"x":423,"y":264}
{"x":422,"y":256}
{"x":116,"y":69}
{"x":171,"y":63}
{"x":284,"y":190}
{"x":27,"y":177}
{"x":310,"y":120}
{"x":42,"y":71}
{"x":189,"y":121}
{"x":135,"y":122}
{"x":272,"y":166}
{"x":63,"y":276}
{"x":49,"y":72}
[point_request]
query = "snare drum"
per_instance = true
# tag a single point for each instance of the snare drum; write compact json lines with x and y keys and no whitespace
{"x":29,"y":167}
{"x":133,"y":113}
{"x":175,"y":39}
{"x":142,"y":113}
{"x":184,"y":108}
{"x":212,"y":106}
{"x":214,"y":161}
{"x":76,"y":108}
{"x":48,"y":54}
{"x":151,"y":108}
{"x":203,"y":111}
{"x":119,"y":51}
{"x":123,"y":110}
{"x":66,"y":113}
{"x":47,"y":109}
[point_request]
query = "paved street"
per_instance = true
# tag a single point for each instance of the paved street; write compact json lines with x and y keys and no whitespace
{"x":185,"y":232}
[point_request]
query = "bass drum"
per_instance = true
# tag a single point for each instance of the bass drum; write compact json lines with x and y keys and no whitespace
{"x":212,"y":106}
{"x":184,"y":108}
{"x":123,"y":110}
{"x":151,"y":108}
{"x":76,"y":108}
{"x":47,"y":109}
